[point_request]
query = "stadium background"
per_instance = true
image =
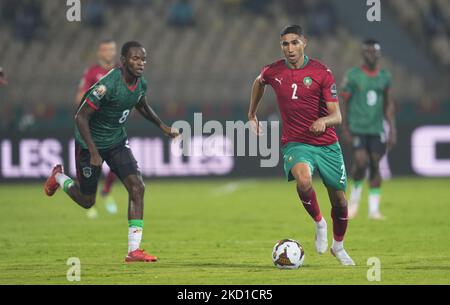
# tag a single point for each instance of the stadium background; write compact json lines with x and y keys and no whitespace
{"x":203,"y":56}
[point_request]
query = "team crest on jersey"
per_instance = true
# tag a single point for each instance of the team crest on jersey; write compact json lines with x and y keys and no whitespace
{"x":99,"y":92}
{"x":87,"y":172}
{"x":307,"y":81}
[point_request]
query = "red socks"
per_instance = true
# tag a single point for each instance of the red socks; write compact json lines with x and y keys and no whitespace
{"x":338,"y":214}
{"x":309,"y":201}
{"x":340,"y":221}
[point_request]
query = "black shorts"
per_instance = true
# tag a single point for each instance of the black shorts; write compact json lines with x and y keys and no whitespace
{"x":370,"y":143}
{"x":119,"y":158}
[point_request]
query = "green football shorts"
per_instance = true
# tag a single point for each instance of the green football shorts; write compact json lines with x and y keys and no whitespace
{"x":328,"y":160}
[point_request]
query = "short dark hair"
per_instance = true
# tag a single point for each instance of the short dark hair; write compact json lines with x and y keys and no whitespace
{"x":292,"y":29}
{"x":128,"y":45}
{"x":370,"y":42}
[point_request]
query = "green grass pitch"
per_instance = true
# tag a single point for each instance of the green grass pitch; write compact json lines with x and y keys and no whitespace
{"x":222,"y":232}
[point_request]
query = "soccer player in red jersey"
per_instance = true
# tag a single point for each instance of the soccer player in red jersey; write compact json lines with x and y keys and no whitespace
{"x":308,"y":102}
{"x":106,"y":56}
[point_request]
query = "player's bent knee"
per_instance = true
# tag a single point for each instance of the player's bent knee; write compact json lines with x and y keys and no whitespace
{"x":138,"y":189}
{"x":361,"y":164}
{"x":341,"y":200}
{"x":304,"y":183}
{"x":361,"y":160}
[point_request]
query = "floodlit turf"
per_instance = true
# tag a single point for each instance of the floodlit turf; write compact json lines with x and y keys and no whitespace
{"x":222,"y":232}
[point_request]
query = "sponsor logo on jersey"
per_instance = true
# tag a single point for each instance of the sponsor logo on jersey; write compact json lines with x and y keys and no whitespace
{"x":87,"y":172}
{"x":279,"y":80}
{"x":99,"y":91}
{"x":307,"y":81}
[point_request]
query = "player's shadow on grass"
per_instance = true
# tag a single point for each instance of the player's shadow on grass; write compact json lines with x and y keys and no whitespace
{"x":246,"y":266}
{"x":227,"y":265}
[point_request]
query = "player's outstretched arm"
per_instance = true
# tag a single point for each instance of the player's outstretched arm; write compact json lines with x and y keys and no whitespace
{"x":82,"y":118}
{"x":257,"y":94}
{"x":332,"y":119}
{"x":147,"y":112}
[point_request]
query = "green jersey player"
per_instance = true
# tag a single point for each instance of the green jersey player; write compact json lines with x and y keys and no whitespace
{"x":101,"y":136}
{"x":367,"y":103}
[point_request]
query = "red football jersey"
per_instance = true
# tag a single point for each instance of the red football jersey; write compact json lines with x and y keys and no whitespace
{"x":91,"y":76}
{"x":302,"y":95}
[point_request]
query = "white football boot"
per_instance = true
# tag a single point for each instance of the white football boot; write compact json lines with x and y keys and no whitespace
{"x":321,"y":237}
{"x":343,"y":257}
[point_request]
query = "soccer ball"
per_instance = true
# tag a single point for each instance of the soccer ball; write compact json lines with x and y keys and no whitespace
{"x":288,"y":254}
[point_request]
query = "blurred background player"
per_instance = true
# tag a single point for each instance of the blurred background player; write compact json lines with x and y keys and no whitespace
{"x":367,"y":103}
{"x":106,"y":56}
{"x":309,"y":107}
